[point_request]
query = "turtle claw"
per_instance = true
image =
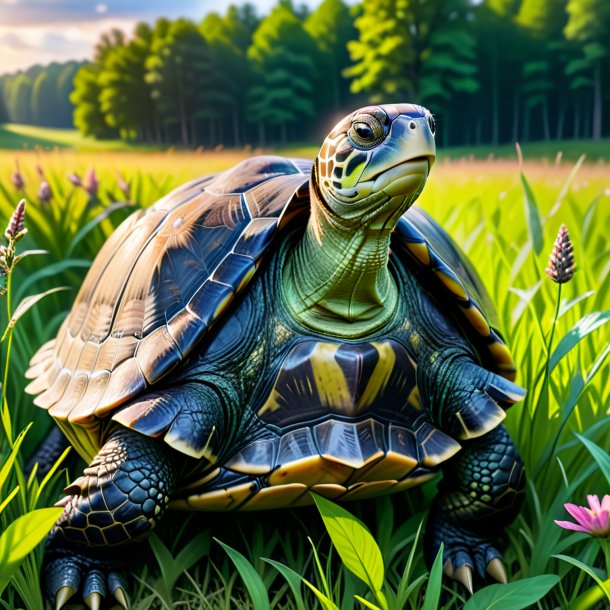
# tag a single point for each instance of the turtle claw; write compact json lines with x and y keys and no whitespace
{"x":94,"y":601}
{"x":63,"y":581}
{"x":119,"y":591}
{"x":496,"y":569}
{"x":62,"y":596}
{"x":504,"y":390}
{"x":464,"y":575}
{"x":121,"y":598}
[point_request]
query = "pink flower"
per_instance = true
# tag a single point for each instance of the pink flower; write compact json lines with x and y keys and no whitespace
{"x":123,"y":185}
{"x":74,"y":178}
{"x":17,"y":179}
{"x":44,"y":191}
{"x":91,"y":183}
{"x":594,"y":521}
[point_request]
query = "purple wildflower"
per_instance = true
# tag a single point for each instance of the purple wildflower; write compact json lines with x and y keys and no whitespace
{"x":123,"y":185}
{"x":561,"y":261}
{"x":594,"y":521}
{"x":91,"y":183}
{"x":74,"y":178}
{"x":17,"y":179}
{"x":16,"y":226}
{"x":44,"y":191}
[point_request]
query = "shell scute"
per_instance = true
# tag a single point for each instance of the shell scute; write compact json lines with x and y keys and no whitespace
{"x":149,"y":296}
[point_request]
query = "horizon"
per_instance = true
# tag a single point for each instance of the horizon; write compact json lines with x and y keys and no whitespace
{"x":40,"y":32}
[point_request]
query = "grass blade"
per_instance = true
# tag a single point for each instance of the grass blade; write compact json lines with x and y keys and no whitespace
{"x":254,"y":583}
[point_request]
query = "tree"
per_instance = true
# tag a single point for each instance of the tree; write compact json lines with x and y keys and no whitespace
{"x":413,"y":49}
{"x":589,"y":24}
{"x":179,"y":73}
{"x":382,"y":55}
{"x":88,"y":116}
{"x":282,"y":58}
{"x":231,"y":74}
{"x":19,"y":101}
{"x":125,"y":97}
{"x":64,"y":86}
{"x":331,"y":26}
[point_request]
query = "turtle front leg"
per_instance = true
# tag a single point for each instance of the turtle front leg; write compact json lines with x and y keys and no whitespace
{"x":479,"y":496}
{"x":115,"y":504}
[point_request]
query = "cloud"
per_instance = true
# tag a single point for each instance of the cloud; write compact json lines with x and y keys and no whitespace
{"x":37,"y":12}
{"x":12,"y":40}
{"x":25,"y":46}
{"x":42,"y":31}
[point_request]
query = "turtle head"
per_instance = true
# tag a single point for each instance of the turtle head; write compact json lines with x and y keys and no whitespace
{"x":374,"y":164}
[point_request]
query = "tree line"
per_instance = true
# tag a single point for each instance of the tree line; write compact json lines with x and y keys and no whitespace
{"x":492,"y":72}
{"x":39,"y":95}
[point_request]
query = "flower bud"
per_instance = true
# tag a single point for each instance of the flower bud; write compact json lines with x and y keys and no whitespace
{"x":561,"y":261}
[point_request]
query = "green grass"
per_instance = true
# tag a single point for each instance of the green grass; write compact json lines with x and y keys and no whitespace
{"x":28,"y":137}
{"x":482,"y":206}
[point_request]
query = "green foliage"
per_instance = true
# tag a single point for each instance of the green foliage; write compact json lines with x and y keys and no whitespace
{"x":254,"y":583}
{"x":512,"y":596}
{"x":88,"y":116}
{"x":39,"y":95}
{"x":171,"y":567}
{"x":21,"y":537}
{"x":283,"y":57}
{"x":23,"y":524}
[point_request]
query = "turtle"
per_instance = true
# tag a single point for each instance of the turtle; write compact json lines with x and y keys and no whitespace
{"x":282,"y":328}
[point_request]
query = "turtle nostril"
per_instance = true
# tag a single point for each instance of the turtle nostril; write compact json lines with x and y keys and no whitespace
{"x":412,"y":125}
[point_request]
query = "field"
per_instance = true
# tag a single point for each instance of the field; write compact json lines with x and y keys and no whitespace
{"x":25,"y":138}
{"x":507,"y":226}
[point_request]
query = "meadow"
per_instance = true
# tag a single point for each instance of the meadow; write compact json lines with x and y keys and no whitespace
{"x":505,"y":217}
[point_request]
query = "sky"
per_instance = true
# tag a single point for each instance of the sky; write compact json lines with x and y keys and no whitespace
{"x":42,"y":31}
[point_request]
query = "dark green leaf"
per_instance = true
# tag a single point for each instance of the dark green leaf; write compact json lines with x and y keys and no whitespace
{"x":513,"y":596}
{"x":254,"y":583}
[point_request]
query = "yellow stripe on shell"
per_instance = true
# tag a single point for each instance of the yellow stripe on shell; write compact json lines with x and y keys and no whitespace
{"x":420,"y":251}
{"x":329,"y":378}
{"x":477,"y":320}
{"x":380,"y":376}
{"x":452,"y":284}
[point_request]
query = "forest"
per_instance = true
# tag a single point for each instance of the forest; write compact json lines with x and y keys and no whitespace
{"x":492,"y":72}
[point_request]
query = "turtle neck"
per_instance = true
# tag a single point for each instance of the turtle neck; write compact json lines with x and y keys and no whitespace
{"x":336,"y":280}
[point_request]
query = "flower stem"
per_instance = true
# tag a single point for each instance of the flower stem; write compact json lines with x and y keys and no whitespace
{"x":6,"y":421}
{"x":546,"y":392}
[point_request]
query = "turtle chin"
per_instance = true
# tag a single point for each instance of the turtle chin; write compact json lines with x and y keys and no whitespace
{"x":404,"y":178}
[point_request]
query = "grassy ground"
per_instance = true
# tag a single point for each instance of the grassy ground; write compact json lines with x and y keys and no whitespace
{"x":29,"y":137}
{"x":481,"y":203}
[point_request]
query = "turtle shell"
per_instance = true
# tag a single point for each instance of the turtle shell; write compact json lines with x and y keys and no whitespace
{"x":168,"y":272}
{"x":157,"y":285}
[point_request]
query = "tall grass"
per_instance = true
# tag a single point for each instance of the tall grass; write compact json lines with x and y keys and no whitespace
{"x":507,"y":226}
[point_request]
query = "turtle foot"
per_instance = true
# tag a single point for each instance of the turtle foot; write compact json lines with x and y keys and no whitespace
{"x":477,"y":400}
{"x":67,"y":576}
{"x":468,"y":558}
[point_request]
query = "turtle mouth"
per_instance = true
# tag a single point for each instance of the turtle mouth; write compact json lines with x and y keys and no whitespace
{"x":415,"y":161}
{"x":402,"y":178}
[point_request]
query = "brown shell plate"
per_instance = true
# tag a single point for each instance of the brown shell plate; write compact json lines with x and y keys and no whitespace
{"x":157,"y":285}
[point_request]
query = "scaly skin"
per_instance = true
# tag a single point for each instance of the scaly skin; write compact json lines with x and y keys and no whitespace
{"x":117,"y":502}
{"x":480,"y":494}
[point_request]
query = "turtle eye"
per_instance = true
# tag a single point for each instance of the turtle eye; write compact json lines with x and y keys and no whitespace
{"x":366,"y":131}
{"x":432,"y":124}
